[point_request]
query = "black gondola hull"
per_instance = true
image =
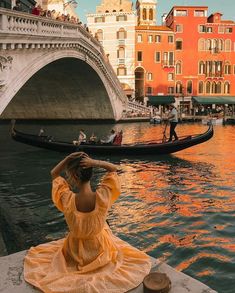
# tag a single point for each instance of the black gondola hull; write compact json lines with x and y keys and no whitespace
{"x":102,"y":149}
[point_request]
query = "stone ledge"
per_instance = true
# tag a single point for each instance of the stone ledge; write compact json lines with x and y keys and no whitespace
{"x":12,"y":280}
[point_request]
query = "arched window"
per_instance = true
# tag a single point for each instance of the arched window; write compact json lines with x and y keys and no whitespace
{"x":208,"y":87}
{"x":150,"y":14}
{"x":201,"y":67}
{"x":189,"y":87}
{"x":218,"y":88}
{"x":121,"y":34}
{"x":208,"y":44}
{"x":200,"y":87}
{"x":178,"y":67}
{"x":201,"y":45}
{"x":227,"y":68}
{"x":220,"y":45}
{"x":106,"y":11}
{"x":213,"y":87}
{"x":144,"y":14}
{"x":227,"y":45}
{"x":178,"y":87}
{"x":99,"y":35}
{"x":227,"y":87}
{"x":121,"y":52}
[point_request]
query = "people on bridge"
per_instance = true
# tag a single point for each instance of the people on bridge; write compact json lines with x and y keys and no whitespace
{"x":93,"y":138}
{"x":90,"y":258}
{"x":18,"y":6}
{"x":173,"y":118}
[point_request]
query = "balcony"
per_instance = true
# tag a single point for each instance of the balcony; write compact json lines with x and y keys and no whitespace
{"x":214,"y":75}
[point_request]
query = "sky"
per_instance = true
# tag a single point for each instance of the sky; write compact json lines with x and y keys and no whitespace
{"x":226,"y":7}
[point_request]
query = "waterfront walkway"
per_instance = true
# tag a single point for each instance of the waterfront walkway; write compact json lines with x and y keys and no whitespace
{"x":12,"y":281}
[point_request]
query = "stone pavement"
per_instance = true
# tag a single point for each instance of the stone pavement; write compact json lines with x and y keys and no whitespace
{"x":12,"y":281}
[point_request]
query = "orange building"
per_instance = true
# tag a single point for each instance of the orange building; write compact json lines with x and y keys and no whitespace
{"x":191,"y":56}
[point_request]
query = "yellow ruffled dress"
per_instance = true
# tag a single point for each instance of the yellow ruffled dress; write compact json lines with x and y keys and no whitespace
{"x":90,"y":259}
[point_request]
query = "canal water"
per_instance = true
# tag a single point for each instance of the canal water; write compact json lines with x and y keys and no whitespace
{"x":179,"y":208}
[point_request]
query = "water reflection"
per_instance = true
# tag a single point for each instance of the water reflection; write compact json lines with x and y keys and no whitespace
{"x":179,"y":208}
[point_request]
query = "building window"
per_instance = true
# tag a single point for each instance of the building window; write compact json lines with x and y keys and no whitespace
{"x":220,"y":45}
{"x":121,"y":52}
{"x":201,"y":68}
{"x":218,"y":88}
{"x":150,"y":38}
{"x":181,"y":13}
{"x":213,"y":87}
{"x":149,"y":76}
{"x":201,"y":45}
{"x":170,"y":90}
{"x":202,"y":29}
{"x":208,"y":44}
{"x":157,"y":57}
{"x":149,"y":90}
{"x":100,"y":19}
{"x":227,"y":45}
{"x":150,"y":14}
{"x":179,"y":28}
{"x":144,"y":14}
{"x":208,"y":87}
{"x":121,"y":34}
{"x":227,"y":68}
{"x":139,"y":38}
{"x":189,"y":87}
{"x":226,"y":87}
{"x":170,"y":39}
{"x":178,"y":67}
{"x":200,"y":87}
{"x":228,"y":30}
{"x":121,"y":71}
{"x":233,"y":69}
{"x":170,"y":76}
{"x":199,"y":13}
{"x":121,"y":18}
{"x":158,"y":39}
{"x":178,"y":87}
{"x":178,"y":45}
{"x":209,"y":29}
{"x":139,"y":56}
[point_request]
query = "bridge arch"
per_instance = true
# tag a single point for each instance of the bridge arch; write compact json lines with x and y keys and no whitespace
{"x":58,"y":72}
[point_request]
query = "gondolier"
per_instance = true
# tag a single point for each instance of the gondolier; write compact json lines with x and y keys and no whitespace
{"x":173,"y":118}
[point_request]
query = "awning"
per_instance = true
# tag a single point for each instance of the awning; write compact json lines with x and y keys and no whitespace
{"x":160,"y":100}
{"x":214,"y":100}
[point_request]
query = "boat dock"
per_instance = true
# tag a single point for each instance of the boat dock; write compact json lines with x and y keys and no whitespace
{"x":12,"y":280}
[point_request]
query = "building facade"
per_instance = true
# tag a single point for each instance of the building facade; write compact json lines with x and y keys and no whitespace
{"x":113,"y":25}
{"x":190,"y":55}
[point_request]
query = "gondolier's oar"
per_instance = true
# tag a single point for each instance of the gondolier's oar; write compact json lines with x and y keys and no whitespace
{"x":164,"y":132}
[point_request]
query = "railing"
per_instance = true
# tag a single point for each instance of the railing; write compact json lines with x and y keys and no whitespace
{"x":16,"y":22}
{"x":168,"y":63}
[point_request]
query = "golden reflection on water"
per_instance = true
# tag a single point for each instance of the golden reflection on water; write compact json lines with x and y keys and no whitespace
{"x":182,"y":201}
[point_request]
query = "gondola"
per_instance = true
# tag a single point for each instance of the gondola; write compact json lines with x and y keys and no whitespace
{"x":146,"y":148}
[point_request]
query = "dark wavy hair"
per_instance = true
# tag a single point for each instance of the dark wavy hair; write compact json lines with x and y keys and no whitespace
{"x":76,"y":172}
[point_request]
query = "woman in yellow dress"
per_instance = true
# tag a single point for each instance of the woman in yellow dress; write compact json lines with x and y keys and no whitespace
{"x":90,"y":259}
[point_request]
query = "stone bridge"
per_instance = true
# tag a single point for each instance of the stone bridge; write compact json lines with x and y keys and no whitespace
{"x":54,"y":70}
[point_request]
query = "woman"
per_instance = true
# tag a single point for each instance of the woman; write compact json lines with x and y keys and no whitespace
{"x":90,"y":258}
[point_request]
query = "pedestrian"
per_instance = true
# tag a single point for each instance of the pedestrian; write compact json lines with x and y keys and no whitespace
{"x":90,"y":258}
{"x":173,"y":118}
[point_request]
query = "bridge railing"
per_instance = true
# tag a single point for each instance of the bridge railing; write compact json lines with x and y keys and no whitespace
{"x":12,"y":21}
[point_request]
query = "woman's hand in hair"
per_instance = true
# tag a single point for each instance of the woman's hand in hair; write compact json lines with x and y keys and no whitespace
{"x":76,"y":155}
{"x":87,"y":162}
